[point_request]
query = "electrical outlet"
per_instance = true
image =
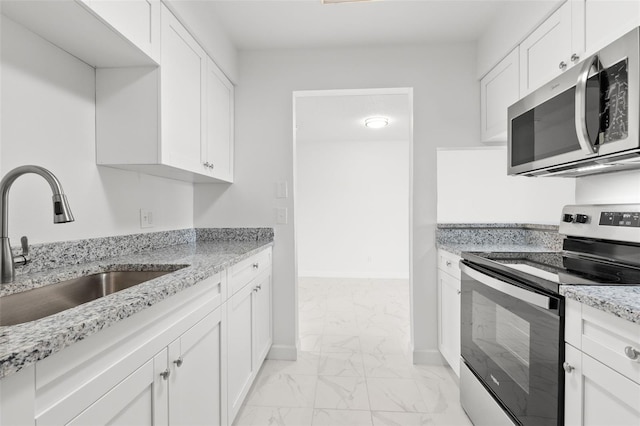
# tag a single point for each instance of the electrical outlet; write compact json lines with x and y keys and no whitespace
{"x":146,"y":218}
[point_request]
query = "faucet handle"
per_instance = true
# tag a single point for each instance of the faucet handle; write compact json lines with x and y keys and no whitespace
{"x":23,"y":258}
{"x":24,"y":241}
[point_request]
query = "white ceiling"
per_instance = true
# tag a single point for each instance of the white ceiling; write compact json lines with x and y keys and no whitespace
{"x":283,"y":24}
{"x":341,"y":118}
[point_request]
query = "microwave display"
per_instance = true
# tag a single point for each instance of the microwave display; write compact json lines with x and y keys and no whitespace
{"x":614,"y":117}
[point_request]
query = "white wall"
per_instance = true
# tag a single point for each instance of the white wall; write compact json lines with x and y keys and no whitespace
{"x":353,"y":209}
{"x":446,"y":113}
{"x":609,"y":188}
{"x":473,"y":187}
{"x":48,"y":119}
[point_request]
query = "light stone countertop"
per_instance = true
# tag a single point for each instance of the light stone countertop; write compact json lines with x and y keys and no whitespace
{"x":622,"y":301}
{"x":27,"y":343}
{"x":457,"y":249}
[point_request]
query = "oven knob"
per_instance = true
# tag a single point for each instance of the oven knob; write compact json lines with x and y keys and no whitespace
{"x":567,"y":218}
{"x":582,"y":218}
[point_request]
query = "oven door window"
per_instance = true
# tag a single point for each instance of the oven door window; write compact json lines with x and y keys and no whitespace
{"x":515,"y":349}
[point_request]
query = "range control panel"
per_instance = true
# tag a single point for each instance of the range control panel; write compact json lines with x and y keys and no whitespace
{"x":631,"y":219}
{"x":615,"y":222}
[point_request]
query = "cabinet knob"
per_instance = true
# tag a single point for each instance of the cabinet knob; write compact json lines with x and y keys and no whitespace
{"x":206,"y":164}
{"x":632,"y":353}
{"x":165,"y":374}
{"x":575,"y":57}
{"x":256,"y":265}
{"x":448,"y":263}
{"x":458,"y":291}
{"x":178,"y":362}
{"x":562,"y":65}
{"x":567,"y":367}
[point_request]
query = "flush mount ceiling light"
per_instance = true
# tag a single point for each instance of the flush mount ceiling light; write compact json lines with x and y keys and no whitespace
{"x":376,"y":122}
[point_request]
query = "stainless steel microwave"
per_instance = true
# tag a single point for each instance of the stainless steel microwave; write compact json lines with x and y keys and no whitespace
{"x":583,"y":122}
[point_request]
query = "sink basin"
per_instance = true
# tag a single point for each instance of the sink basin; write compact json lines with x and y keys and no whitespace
{"x":44,"y":301}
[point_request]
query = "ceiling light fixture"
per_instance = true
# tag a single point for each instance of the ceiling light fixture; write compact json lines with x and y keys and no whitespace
{"x":376,"y":122}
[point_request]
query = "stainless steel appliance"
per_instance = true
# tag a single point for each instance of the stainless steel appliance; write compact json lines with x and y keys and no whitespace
{"x":512,"y":320}
{"x":585,"y":121}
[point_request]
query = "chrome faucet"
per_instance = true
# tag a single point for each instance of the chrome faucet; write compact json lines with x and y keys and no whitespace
{"x":61,"y":214}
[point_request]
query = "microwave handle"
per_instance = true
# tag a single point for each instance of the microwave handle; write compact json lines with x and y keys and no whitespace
{"x":581,"y":105}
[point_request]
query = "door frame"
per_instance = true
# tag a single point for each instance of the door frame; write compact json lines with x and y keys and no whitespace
{"x":408,"y":91}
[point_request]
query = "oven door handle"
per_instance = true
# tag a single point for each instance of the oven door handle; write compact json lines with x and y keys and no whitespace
{"x":530,"y":297}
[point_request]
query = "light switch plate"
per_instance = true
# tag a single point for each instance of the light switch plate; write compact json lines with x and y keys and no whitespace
{"x":281,"y":215}
{"x":283,"y":189}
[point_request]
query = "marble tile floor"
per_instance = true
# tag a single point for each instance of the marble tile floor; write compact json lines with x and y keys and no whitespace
{"x":353,"y":366}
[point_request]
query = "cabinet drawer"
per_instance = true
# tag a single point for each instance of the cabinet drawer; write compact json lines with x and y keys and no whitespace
{"x":604,"y":337}
{"x":244,"y":271}
{"x":449,"y":263}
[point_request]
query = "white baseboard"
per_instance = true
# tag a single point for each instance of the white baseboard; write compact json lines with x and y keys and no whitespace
{"x":283,"y":353}
{"x":428,"y":357}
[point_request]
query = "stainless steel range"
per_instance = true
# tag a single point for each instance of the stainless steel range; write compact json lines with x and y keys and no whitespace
{"x":512,"y":329}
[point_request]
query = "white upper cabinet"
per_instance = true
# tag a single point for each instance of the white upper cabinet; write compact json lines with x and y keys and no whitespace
{"x":217,"y":149}
{"x":606,"y":20}
{"x":173,"y":121}
{"x":182,"y":74}
{"x":102,"y":33}
{"x":498,"y":89}
{"x":553,"y":47}
{"x":137,"y":20}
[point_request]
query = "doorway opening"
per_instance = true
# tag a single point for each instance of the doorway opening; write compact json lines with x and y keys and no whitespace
{"x":353,"y":220}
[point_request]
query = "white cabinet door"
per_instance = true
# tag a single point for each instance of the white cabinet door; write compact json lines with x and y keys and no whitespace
{"x":182,"y":68}
{"x":197,"y":385}
{"x":240,"y":349}
{"x":498,"y":90}
{"x":607,"y":20}
{"x":597,"y":395}
{"x":140,"y":399}
{"x":137,"y":20}
{"x":263,"y":321}
{"x":552,"y":48}
{"x":449,"y":319}
{"x":218,"y":146}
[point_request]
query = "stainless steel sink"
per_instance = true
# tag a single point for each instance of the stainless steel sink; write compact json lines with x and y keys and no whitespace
{"x":44,"y":301}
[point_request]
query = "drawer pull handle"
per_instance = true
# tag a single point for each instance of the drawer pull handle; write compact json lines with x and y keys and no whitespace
{"x":562,"y":65}
{"x":632,"y":353}
{"x":256,"y":265}
{"x":567,"y":367}
{"x":178,"y":362}
{"x":165,"y":374}
{"x":448,"y":263}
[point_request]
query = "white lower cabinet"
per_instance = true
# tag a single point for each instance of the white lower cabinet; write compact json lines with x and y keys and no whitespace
{"x":188,"y":360}
{"x":140,"y":399}
{"x":250,"y":337}
{"x":197,"y":381}
{"x":449,"y":308}
{"x":602,"y":380}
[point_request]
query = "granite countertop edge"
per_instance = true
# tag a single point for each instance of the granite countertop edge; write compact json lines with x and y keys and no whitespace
{"x":457,"y":249}
{"x":24,"y":344}
{"x":621,"y":301}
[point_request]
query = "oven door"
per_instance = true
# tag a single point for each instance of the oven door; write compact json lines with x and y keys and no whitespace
{"x":512,"y":340}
